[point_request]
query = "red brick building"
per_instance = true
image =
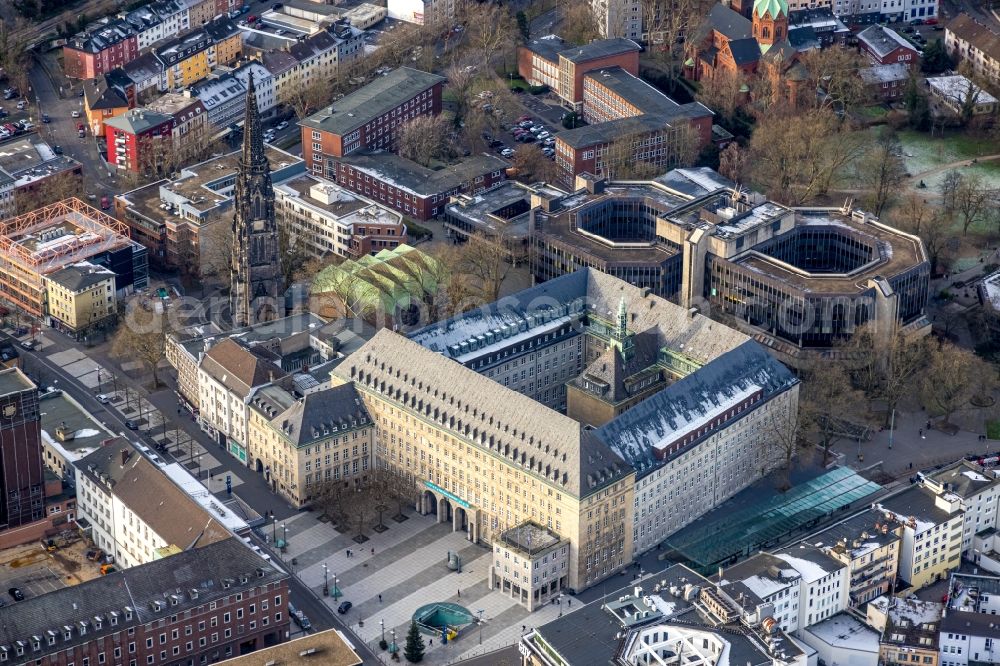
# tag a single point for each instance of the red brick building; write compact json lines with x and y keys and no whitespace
{"x":130,"y":137}
{"x":110,"y":44}
{"x":196,"y":607}
{"x":885,"y":46}
{"x":22,"y":473}
{"x":413,"y":190}
{"x":621,"y":107}
{"x":367,"y":118}
{"x":885,"y":82}
{"x":548,"y":62}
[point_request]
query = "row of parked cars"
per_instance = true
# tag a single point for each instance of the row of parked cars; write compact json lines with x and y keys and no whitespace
{"x":527,"y":130}
{"x":8,"y":130}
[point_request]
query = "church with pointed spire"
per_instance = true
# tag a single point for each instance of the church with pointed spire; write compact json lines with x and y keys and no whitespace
{"x":256,"y":293}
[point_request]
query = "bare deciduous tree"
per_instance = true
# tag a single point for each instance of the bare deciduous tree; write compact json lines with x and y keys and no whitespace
{"x":305,"y":97}
{"x":833,"y":75}
{"x":579,"y":24}
{"x":724,"y":93}
{"x":954,"y":376}
{"x":883,"y":171}
{"x":825,"y":398}
{"x":141,"y":336}
{"x":972,"y":199}
{"x":933,"y":226}
{"x":489,"y":28}
{"x":424,"y":139}
{"x":886,"y":367}
{"x":733,"y":161}
{"x":532,"y":165}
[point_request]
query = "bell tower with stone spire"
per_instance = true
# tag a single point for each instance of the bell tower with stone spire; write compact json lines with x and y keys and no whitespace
{"x":255,"y":293}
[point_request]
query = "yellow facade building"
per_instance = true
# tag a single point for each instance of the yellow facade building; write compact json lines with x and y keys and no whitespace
{"x":299,"y":442}
{"x":81,"y":298}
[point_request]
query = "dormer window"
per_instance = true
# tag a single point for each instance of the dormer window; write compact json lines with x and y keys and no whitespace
{"x":67,"y":633}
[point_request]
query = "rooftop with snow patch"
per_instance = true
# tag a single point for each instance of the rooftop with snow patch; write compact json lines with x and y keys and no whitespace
{"x":963,"y":478}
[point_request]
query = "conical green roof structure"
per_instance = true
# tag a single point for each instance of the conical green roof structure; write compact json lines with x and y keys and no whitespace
{"x":775,"y":8}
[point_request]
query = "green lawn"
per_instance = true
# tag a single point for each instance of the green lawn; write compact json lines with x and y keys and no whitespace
{"x":993,"y":429}
{"x":877,"y":111}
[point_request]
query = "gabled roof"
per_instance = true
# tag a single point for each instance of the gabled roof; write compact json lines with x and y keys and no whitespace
{"x":964,"y":478}
{"x":878,"y":74}
{"x":278,"y":62}
{"x":150,"y":494}
{"x":315,"y":416}
{"x":143,"y":68}
{"x":101,"y":96}
{"x":968,"y":29}
{"x":240,"y":369}
{"x":882,"y":41}
{"x":600,"y":48}
{"x":729,"y":22}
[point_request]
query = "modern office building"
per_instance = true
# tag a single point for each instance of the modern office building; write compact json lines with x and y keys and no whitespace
{"x":795,"y":278}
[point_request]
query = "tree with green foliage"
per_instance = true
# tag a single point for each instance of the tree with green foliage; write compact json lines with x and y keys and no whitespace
{"x":917,"y":108}
{"x":523,"y":26}
{"x":935,"y":59}
{"x":414,"y":648}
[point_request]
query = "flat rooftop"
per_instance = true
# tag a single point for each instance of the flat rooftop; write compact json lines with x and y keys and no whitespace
{"x":349,"y":207}
{"x":69,"y":429}
{"x":329,"y":648}
{"x":202,"y":186}
{"x":30,"y":159}
{"x":13,"y":380}
{"x":530,"y":538}
{"x":483,"y":210}
{"x":898,"y":253}
{"x":419,"y":180}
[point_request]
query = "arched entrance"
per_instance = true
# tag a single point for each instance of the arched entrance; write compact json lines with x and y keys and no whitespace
{"x":428,"y":503}
{"x":444,"y":511}
{"x":461,"y":520}
{"x":259,"y":466}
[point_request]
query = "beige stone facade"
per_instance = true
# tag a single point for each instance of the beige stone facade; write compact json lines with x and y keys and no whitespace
{"x":81,"y":298}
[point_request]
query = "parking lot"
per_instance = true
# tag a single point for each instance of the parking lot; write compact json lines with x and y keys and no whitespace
{"x":36,"y":572}
{"x":525,"y":130}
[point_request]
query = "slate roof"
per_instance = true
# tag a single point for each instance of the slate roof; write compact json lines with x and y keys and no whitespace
{"x":143,"y":68}
{"x":240,"y":369}
{"x":500,"y":421}
{"x":103,"y":96}
{"x":728,"y":22}
{"x":968,"y":29}
{"x":917,"y":502}
{"x":547,"y":47}
{"x":801,"y":38}
{"x":882,"y":40}
{"x":314,"y":416}
{"x":381,"y":95}
{"x":611,"y":368}
{"x":969,"y":623}
{"x":638,"y":93}
{"x":745,"y":51}
{"x":151,"y":495}
{"x":824,"y":564}
{"x":136,"y":588}
{"x":278,"y":62}
{"x":635,"y":433}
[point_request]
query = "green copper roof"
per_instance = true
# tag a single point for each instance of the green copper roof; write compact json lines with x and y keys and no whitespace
{"x":775,"y":8}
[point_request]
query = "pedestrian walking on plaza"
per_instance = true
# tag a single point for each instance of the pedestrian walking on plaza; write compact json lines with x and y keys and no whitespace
{"x":921,"y":433}
{"x":380,"y":598}
{"x":460,"y":594}
{"x":373,"y":551}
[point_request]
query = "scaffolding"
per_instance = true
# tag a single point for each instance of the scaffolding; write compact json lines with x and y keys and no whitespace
{"x":24,"y":264}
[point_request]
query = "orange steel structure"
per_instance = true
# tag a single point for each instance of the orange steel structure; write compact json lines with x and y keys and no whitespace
{"x":22,"y":267}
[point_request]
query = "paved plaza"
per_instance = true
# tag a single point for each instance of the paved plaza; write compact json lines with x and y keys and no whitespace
{"x":409,"y":569}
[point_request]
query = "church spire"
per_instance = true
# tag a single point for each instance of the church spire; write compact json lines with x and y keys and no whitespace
{"x":253,"y":139}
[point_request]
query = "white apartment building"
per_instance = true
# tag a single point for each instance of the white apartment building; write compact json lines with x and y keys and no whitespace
{"x":133,"y":511}
{"x":422,"y":12}
{"x":978,"y":492}
{"x":824,"y":583}
{"x":263,"y":82}
{"x":228,"y":376}
{"x":324,"y":216}
{"x":970,"y":631}
{"x":932,"y":533}
{"x":158,"y":21}
{"x":618,"y":18}
{"x":764,"y":585}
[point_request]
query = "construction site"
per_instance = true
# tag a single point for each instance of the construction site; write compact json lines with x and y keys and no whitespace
{"x":59,"y":235}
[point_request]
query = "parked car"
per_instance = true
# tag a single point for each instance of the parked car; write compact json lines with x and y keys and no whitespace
{"x":75,"y":114}
{"x":344,"y":607}
{"x":507,"y":152}
{"x":282,"y":125}
{"x":22,"y":105}
{"x":80,"y":94}
{"x":525,"y":124}
{"x":131,"y":425}
{"x":16,"y":593}
{"x":26,"y":125}
{"x":28,"y":344}
{"x":57,"y":149}
{"x":521,"y":119}
{"x":496,"y":143}
{"x":46,"y":119}
{"x":543,"y":135}
{"x":300,"y":619}
{"x":103,"y":398}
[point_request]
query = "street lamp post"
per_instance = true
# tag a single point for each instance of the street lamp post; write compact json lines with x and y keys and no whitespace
{"x":336,"y":588}
{"x":326,"y":580}
{"x":480,"y":611}
{"x":381,"y":623}
{"x":274,"y":531}
{"x":284,"y":534}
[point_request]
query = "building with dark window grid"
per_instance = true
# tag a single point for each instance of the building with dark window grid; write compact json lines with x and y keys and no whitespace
{"x":196,"y":607}
{"x":367,"y":119}
{"x":794,"y":278}
{"x":620,"y":107}
{"x":22,"y":480}
{"x":414,"y":190}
